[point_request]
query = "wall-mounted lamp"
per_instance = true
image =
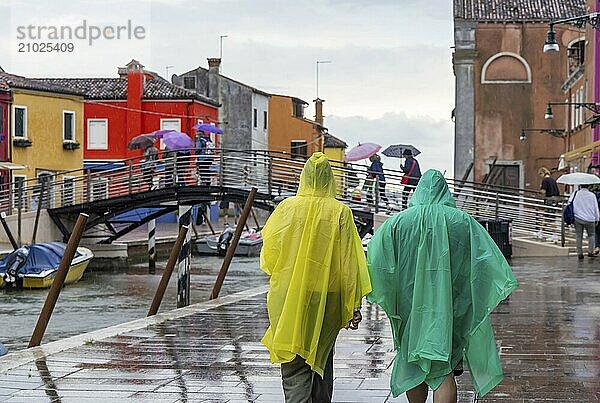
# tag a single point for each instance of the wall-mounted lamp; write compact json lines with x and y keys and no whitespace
{"x":560,"y":133}
{"x":551,"y":45}
{"x":591,"y":106}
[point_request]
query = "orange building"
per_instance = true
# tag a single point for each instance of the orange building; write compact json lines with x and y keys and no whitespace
{"x":289,"y":131}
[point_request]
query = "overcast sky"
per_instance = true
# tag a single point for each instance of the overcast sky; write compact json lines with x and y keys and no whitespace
{"x":390,"y":78}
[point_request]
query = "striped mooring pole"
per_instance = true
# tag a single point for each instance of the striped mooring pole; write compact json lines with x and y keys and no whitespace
{"x":152,"y":246}
{"x":183,"y":268}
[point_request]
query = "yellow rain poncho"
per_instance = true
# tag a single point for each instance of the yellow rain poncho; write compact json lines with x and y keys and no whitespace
{"x":438,"y":275}
{"x":312,"y":251}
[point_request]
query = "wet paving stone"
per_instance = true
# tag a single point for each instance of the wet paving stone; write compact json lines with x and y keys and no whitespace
{"x":548,"y":333}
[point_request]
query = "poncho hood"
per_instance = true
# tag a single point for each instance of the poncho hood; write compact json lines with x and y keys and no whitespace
{"x":432,"y":189}
{"x":312,"y":251}
{"x":438,"y":274}
{"x":317,"y":178}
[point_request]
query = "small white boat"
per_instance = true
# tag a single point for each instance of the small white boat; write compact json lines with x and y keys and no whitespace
{"x":249,"y":245}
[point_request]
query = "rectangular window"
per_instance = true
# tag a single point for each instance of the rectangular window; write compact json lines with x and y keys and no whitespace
{"x":67,"y":195}
{"x":265,"y":120}
{"x":255,"y":118}
{"x":20,"y":121}
{"x":299,"y":149}
{"x":19,"y":182}
{"x":189,"y":83}
{"x":298,"y":109}
{"x":169,"y":124}
{"x":97,"y":134}
{"x":68,"y":126}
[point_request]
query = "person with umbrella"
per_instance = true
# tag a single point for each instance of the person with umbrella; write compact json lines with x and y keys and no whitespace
{"x":375,"y":172}
{"x":587,"y":216}
{"x":204,"y":156}
{"x":149,"y":165}
{"x":146,"y":142}
{"x":585,"y":209}
{"x":412,"y":174}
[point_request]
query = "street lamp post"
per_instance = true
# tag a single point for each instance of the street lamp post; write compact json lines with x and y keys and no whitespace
{"x":320,"y":62}
{"x":591,"y":106}
{"x":560,"y":133}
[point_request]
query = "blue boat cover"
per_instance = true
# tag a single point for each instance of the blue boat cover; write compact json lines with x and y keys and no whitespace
{"x":42,"y":256}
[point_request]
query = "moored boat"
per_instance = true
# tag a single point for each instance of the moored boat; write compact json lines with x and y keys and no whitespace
{"x":35,"y":266}
{"x":250,"y":243}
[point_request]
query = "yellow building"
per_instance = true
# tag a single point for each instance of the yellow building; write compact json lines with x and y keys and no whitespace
{"x":46,"y":132}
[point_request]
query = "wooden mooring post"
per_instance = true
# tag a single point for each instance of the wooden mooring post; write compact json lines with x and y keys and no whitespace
{"x":152,"y":246}
{"x":57,"y":283}
{"x":9,"y":234}
{"x":173,"y":258}
{"x":185,"y":259}
{"x":234,"y":242}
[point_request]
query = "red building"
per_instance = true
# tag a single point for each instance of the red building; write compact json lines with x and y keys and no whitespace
{"x":138,"y":101}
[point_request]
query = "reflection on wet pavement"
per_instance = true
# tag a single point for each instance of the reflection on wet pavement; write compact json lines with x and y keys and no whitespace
{"x":103,"y":299}
{"x":548,"y":333}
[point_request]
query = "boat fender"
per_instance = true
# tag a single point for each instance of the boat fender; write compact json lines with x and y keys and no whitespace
{"x":14,"y":263}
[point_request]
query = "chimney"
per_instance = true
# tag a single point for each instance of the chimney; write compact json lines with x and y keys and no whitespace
{"x":319,"y":110}
{"x":214,"y":92}
{"x":135,"y":92}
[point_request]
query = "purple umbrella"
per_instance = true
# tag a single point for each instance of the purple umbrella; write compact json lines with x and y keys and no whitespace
{"x":159,"y":133}
{"x":205,"y":127}
{"x":362,"y":151}
{"x":175,"y":140}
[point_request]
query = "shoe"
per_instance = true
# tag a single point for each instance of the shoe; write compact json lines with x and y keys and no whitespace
{"x":592,"y":254}
{"x":580,"y":257}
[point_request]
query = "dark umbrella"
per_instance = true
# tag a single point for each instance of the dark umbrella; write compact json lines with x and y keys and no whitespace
{"x":141,"y":142}
{"x":397,"y":150}
{"x":205,"y":127}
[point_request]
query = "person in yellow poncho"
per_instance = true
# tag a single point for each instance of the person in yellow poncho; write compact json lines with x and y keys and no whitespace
{"x":313,"y":253}
{"x":438,"y":275}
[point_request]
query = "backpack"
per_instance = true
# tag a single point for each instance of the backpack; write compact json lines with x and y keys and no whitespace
{"x":569,"y":213}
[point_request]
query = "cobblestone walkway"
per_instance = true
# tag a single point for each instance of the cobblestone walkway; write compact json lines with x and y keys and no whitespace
{"x":548,"y":332}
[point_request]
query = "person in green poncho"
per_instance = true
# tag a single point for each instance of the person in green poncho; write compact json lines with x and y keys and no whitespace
{"x":314,"y":256}
{"x":438,"y":274}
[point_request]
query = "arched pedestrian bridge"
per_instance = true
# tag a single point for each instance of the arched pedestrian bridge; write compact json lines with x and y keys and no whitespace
{"x":123,"y":195}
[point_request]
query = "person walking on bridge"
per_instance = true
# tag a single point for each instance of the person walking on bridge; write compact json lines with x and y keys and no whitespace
{"x":412,"y":174}
{"x":438,"y":274}
{"x":314,"y":256}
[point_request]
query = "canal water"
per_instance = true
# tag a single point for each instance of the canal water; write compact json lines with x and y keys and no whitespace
{"x":106,"y":298}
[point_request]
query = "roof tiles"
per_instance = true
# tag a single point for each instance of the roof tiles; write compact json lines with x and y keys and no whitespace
{"x":517,"y":10}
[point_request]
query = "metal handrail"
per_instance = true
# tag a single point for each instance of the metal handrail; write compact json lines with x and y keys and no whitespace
{"x":276,"y":174}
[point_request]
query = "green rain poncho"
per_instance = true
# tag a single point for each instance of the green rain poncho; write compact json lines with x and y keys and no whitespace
{"x":312,"y":251}
{"x":438,"y":275}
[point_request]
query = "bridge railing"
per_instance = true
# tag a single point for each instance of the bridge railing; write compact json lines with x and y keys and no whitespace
{"x":276,"y":174}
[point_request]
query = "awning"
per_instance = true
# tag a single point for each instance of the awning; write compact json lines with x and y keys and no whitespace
{"x":11,"y":166}
{"x":581,"y":151}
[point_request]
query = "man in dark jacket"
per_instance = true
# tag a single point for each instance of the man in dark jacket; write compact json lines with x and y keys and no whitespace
{"x":412,"y":174}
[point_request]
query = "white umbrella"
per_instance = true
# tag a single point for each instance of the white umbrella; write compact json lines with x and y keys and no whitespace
{"x":578,"y":178}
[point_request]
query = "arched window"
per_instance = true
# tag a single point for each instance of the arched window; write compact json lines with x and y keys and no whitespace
{"x":506,"y":68}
